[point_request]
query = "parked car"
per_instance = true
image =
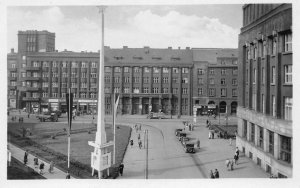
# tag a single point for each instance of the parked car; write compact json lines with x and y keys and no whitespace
{"x":157,"y":115}
{"x":177,"y":131}
{"x":57,"y":112}
{"x":188,"y":147}
{"x":50,"y":116}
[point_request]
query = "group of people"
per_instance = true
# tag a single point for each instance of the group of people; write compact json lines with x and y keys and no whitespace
{"x":230,"y":163}
{"x":41,"y":166}
{"x":214,"y":175}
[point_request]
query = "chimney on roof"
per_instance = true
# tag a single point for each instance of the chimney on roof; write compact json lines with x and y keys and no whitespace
{"x":179,"y":48}
{"x":187,"y":48}
{"x":170,"y":48}
{"x":65,"y":50}
{"x":12,"y":50}
{"x":125,"y":47}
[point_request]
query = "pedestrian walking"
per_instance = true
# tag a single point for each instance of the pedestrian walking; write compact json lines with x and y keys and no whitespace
{"x":51,"y":167}
{"x":216,"y":174}
{"x":206,"y":122}
{"x":68,"y":176}
{"x":140,"y":144}
{"x":237,"y":152}
{"x":140,"y":127}
{"x":42,"y":165}
{"x":227,"y":163}
{"x":25,"y":157}
{"x":35,"y":162}
{"x":121,"y":168}
{"x":198,"y":143}
{"x":28,"y":115}
{"x":236,"y":158}
{"x":139,"y":136}
{"x":211,"y":175}
{"x":213,"y":134}
{"x":131,"y":143}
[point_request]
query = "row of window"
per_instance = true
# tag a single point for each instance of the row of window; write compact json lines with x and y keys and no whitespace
{"x":212,"y":92}
{"x":285,"y":144}
{"x":63,"y":95}
{"x":212,"y":71}
{"x":288,"y":73}
{"x":184,"y":91}
{"x":55,"y":84}
{"x":212,"y":81}
{"x":145,"y":80}
{"x":62,"y":64}
{"x":269,"y":46}
{"x":147,"y":69}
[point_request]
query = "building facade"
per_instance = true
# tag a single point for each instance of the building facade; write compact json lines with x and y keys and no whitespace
{"x":145,"y":79}
{"x":265,"y":87}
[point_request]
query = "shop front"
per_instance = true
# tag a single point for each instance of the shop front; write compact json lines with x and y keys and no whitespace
{"x":44,"y":107}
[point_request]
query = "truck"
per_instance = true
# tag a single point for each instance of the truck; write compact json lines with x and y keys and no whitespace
{"x":188,"y":147}
{"x":48,"y":116}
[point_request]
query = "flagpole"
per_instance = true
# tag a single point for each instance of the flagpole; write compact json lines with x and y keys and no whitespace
{"x":69,"y":122}
{"x":114,"y":126}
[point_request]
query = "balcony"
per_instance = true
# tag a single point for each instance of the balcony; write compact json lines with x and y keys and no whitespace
{"x":32,"y":88}
{"x":32,"y":78}
{"x":32,"y":68}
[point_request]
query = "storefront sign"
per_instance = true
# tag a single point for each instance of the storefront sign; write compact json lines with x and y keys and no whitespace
{"x":53,"y":100}
{"x":87,"y":101}
{"x":12,"y":103}
{"x":82,"y":104}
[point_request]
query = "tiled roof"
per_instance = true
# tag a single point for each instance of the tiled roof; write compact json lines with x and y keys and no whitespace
{"x":211,"y":54}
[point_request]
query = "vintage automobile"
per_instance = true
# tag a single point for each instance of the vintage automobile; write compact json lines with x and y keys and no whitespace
{"x":48,"y":116}
{"x":156,"y":115}
{"x":177,"y":131}
{"x":188,"y":147}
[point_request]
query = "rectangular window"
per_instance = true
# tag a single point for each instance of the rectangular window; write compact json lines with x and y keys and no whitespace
{"x":288,"y":74}
{"x":73,"y":75}
{"x":260,"y":48}
{"x":54,"y":74}
{"x":274,"y":46}
{"x":263,"y":103}
{"x":45,"y":95}
{"x":106,"y":90}
{"x":136,"y":79}
{"x":255,"y":52}
{"x":64,"y":85}
{"x":106,"y":79}
{"x":136,"y":69}
{"x":252,"y":132}
{"x":107,"y":69}
{"x":223,"y":92}
{"x":165,"y":80}
{"x":93,"y":95}
{"x":74,"y":64}
{"x":146,"y":69}
{"x":185,"y":70}
{"x":175,"y":70}
{"x":184,"y":91}
{"x":155,"y":80}
{"x":175,"y":90}
{"x":54,"y":84}
{"x":83,"y":95}
{"x":93,"y":75}
{"x":234,"y":71}
{"x":23,"y":65}
{"x":45,"y":84}
{"x":200,"y":71}
{"x":155,"y":70}
{"x":254,"y":101}
{"x":83,"y":85}
{"x":126,"y":79}
{"x":264,"y":52}
{"x":211,"y":81}
{"x":94,"y":65}
{"x":64,"y":64}
{"x":271,"y":142}
{"x":36,"y":64}
{"x":117,"y":79}
{"x":211,"y":92}
{"x":200,"y":81}
{"x":116,"y":90}
{"x":145,"y":90}
{"x":73,"y":85}
{"x":234,"y":92}
{"x":223,"y":81}
{"x":136,"y":90}
{"x":45,"y":64}
{"x":83,"y":75}
{"x":165,"y":70}
{"x":244,"y":135}
{"x":211,"y":71}
{"x":63,"y":95}
{"x":200,"y":91}
{"x":83,"y":65}
{"x":155,"y":90}
{"x":223,"y":71}
{"x":126,"y":69}
{"x":248,"y":53}
{"x":288,"y":42}
{"x":260,"y":137}
{"x":23,"y":84}
{"x":64,"y":75}
{"x":285,"y":149}
{"x":175,"y":80}
{"x":37,"y":95}
{"x":165,"y":90}
{"x":273,"y":75}
{"x":254,"y":76}
{"x":234,"y":82}
{"x":273,"y":106}
{"x":117,"y":69}
{"x":263,"y":80}
{"x":126,"y":89}
{"x":185,"y":80}
{"x":288,"y":108}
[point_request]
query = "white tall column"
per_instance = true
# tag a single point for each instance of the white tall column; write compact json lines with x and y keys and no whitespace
{"x":101,"y":134}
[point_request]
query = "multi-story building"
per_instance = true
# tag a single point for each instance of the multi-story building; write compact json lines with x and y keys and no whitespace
{"x":215,"y":80}
{"x":265,"y":87}
{"x":145,"y":78}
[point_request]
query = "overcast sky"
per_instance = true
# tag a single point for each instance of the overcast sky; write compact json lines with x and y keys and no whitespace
{"x":77,"y":28}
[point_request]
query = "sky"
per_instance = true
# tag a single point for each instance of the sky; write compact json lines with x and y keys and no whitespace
{"x":77,"y":28}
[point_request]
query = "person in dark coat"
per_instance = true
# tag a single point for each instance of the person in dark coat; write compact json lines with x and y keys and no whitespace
{"x":121,"y":168}
{"x":42,"y":165}
{"x":36,"y":162}
{"x":25,"y":157}
{"x":211,"y":175}
{"x":68,"y":176}
{"x":236,"y":158}
{"x":216,"y":173}
{"x":131,"y":143}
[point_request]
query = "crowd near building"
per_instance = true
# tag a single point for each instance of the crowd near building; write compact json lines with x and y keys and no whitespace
{"x":265,"y":87}
{"x":169,"y":80}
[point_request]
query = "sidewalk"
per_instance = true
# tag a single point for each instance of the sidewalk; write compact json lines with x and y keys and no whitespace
{"x":18,"y":153}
